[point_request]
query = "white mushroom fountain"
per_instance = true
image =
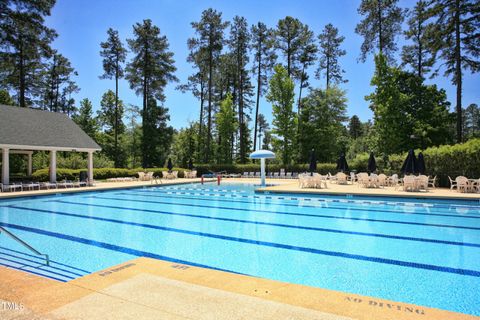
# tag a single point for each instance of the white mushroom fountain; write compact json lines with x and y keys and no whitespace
{"x":262,"y":155}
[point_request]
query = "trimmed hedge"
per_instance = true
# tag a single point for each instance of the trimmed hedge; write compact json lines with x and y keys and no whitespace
{"x":101,"y":173}
{"x":322,"y":168}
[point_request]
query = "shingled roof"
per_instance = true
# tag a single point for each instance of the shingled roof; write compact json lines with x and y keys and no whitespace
{"x":31,"y":129}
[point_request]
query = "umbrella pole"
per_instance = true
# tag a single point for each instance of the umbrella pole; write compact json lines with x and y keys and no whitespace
{"x":262,"y":172}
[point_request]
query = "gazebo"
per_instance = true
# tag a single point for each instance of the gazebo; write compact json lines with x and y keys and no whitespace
{"x":24,"y":130}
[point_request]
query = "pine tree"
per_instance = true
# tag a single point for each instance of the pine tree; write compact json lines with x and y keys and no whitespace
{"x":197,"y":84}
{"x":263,"y":131}
{"x":58,"y":84}
{"x":85,"y":118}
{"x":382,"y":23}
{"x":263,"y":62}
{"x":307,"y":56}
{"x":330,"y":52}
{"x":114,"y":55}
{"x":25,"y":42}
{"x":289,"y":40}
{"x":110,"y":118}
{"x":281,"y":95}
{"x":209,"y":31}
{"x":238,"y":43}
{"x":226,"y":124}
{"x":355,"y":127}
{"x":456,"y":41}
{"x":148,"y":73}
{"x":417,"y":55}
{"x":5,"y":98}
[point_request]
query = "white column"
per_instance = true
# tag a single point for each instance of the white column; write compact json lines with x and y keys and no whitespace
{"x":29,"y":165}
{"x":90,"y":167}
{"x":5,"y":166}
{"x":262,"y":172}
{"x":53,"y":166}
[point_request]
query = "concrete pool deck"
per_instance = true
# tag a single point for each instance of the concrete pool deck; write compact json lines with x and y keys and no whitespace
{"x":146,"y":288}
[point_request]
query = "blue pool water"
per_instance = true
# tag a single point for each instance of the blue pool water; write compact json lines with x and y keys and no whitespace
{"x":416,"y":251}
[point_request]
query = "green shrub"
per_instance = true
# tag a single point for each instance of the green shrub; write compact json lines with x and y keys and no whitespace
{"x":100,"y":173}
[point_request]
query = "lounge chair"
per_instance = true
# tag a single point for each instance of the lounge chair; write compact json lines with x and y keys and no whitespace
{"x":11,"y":187}
{"x":48,"y":185}
{"x":275,"y":175}
{"x":30,"y":185}
{"x":289,"y":175}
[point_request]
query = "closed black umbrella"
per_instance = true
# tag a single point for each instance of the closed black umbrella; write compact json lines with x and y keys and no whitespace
{"x":421,"y":164}
{"x":169,"y":164}
{"x":313,"y":162}
{"x":410,"y":165}
{"x":190,"y":164}
{"x":342,"y":164}
{"x":372,"y":164}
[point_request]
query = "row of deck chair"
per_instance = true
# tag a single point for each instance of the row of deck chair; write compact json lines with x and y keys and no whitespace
{"x":32,"y":185}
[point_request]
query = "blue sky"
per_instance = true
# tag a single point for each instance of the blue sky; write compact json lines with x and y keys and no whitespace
{"x":82,"y":25}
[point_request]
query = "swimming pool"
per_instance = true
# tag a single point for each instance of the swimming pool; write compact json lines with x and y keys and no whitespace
{"x":422,"y":252}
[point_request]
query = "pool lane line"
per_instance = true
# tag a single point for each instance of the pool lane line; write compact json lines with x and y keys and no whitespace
{"x":464,"y":272}
{"x":327,"y":198}
{"x":275,"y":212}
{"x":35,"y":267}
{"x":37,"y":257}
{"x":197,"y":197}
{"x":109,"y":246}
{"x":41,"y":263}
{"x":33,"y":272}
{"x":358,"y":233}
{"x":298,"y":199}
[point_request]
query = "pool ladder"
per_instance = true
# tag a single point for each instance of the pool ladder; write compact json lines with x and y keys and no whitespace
{"x":26,"y":245}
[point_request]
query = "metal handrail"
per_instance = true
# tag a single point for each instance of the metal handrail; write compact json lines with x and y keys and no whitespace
{"x":26,"y":245}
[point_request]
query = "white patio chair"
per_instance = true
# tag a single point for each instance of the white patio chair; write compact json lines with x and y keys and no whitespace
{"x":453,"y":183}
{"x":409,"y":183}
{"x":432,"y":182}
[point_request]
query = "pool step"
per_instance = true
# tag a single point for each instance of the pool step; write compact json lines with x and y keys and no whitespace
{"x":29,"y":263}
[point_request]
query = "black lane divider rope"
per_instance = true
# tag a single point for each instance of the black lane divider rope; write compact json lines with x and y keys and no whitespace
{"x":276,"y":212}
{"x":128,"y":210}
{"x":175,"y":195}
{"x":465,"y":272}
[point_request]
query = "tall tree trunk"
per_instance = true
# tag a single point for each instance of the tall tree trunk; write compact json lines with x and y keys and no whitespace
{"x":420,"y":61}
{"x":21,"y":66}
{"x":200,"y":120}
{"x":209,"y":121}
{"x":288,"y":58}
{"x":380,"y":39}
{"x":458,"y":71}
{"x":240,"y":108}
{"x":259,"y":83}
{"x":144,"y":114}
{"x":116,"y":114}
{"x":328,"y":72}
